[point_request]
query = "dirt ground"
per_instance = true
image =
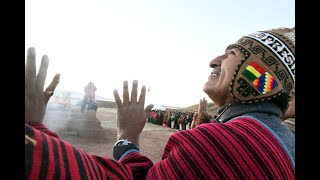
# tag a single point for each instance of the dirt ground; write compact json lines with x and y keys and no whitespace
{"x":152,"y":139}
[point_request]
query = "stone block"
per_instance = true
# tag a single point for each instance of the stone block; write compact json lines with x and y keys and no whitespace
{"x":97,"y":133}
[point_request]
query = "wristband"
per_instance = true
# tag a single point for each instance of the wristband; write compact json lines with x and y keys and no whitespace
{"x":122,"y":146}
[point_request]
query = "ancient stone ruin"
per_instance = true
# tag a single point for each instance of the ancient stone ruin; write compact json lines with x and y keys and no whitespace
{"x":75,"y":123}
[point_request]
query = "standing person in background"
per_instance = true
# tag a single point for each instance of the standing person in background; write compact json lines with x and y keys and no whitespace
{"x":89,"y":96}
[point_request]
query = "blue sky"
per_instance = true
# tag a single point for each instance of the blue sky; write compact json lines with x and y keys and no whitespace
{"x":164,"y":44}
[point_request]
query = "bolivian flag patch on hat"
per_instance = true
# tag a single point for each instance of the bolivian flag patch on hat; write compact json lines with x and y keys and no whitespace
{"x":259,"y":77}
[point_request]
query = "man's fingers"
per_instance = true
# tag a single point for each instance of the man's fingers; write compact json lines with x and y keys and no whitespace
{"x":142,"y":97}
{"x":195,"y":115}
{"x":134,"y":92}
{"x":193,"y":123}
{"x":30,"y":75}
{"x":125,"y":93}
{"x":54,"y":83}
{"x":148,"y":108}
{"x":203,"y":104}
{"x":48,"y":94}
{"x":42,"y":74}
{"x":117,"y":98}
{"x":52,"y":86}
{"x":200,"y":104}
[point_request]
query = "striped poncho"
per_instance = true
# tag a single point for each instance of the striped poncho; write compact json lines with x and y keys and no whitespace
{"x":243,"y":148}
{"x":52,"y":158}
{"x":240,"y":149}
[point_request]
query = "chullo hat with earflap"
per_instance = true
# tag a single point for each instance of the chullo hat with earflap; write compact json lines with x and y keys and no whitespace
{"x":268,"y":69}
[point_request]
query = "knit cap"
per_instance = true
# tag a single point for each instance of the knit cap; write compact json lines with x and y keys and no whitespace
{"x":268,"y":69}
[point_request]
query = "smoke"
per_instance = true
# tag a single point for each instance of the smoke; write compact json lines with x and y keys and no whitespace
{"x":60,"y":109}
{"x":57,"y":117}
{"x":70,"y":121}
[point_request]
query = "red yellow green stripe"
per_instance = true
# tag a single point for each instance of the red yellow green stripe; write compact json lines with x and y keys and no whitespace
{"x":253,"y":71}
{"x":260,"y":78}
{"x":248,"y":74}
{"x":257,"y":67}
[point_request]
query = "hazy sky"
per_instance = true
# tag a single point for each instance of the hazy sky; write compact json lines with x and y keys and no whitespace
{"x":164,"y":44}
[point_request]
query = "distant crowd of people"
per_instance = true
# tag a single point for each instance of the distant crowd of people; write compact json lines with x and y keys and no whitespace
{"x":171,"y":118}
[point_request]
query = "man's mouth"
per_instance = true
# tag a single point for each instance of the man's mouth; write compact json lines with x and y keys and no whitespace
{"x":215,"y":74}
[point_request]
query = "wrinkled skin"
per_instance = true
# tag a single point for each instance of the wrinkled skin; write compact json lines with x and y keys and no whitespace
{"x":218,"y":84}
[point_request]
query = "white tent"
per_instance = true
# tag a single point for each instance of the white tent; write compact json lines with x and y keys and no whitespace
{"x":158,"y":107}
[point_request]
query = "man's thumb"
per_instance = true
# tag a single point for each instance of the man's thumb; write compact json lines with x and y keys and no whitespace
{"x":193,"y":123}
{"x":195,"y":115}
{"x":148,"y":108}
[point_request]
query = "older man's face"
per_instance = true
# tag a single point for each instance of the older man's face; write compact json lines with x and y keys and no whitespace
{"x":224,"y":66}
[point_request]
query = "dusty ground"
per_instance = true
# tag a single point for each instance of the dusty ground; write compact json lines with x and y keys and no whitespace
{"x":152,"y":140}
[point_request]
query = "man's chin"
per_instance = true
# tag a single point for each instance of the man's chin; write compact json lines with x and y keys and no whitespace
{"x":207,"y":90}
{"x":208,"y":87}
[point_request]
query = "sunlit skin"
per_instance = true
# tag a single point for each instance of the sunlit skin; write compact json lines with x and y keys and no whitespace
{"x":131,"y":115}
{"x":224,"y":66}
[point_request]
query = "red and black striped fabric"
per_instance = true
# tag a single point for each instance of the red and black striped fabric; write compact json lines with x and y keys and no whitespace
{"x":52,"y":158}
{"x":240,"y":149}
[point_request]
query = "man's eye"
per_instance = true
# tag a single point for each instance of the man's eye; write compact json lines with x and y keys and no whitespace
{"x":232,"y":52}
